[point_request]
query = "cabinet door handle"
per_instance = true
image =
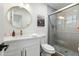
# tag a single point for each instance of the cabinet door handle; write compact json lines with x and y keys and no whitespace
{"x":25,"y":53}
{"x":21,"y":53}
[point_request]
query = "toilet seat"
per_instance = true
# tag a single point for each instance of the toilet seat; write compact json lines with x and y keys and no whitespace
{"x":48,"y":48}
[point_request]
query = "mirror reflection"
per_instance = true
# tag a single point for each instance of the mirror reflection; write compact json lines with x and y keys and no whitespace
{"x":19,"y":17}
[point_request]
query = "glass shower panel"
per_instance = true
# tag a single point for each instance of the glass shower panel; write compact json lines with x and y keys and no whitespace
{"x":52,"y":29}
{"x":68,"y":30}
{"x":68,"y":19}
{"x":60,"y":22}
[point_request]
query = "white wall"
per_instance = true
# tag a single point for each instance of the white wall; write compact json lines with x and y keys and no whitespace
{"x":36,"y":9}
{"x":1,"y":23}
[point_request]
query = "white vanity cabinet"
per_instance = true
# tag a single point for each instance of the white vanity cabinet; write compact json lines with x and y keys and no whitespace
{"x":32,"y":50}
{"x":15,"y":52}
{"x":24,"y":47}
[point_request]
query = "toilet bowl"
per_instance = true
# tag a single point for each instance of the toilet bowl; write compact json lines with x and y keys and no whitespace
{"x":48,"y":49}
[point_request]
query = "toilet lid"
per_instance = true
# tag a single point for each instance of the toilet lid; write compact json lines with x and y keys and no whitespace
{"x":48,"y":47}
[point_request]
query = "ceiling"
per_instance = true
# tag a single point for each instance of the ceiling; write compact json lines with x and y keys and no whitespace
{"x":57,"y":6}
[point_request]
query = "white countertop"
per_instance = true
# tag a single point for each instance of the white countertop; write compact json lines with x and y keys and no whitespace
{"x":10,"y":38}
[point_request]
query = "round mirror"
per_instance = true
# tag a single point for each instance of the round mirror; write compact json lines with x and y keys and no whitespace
{"x":19,"y":17}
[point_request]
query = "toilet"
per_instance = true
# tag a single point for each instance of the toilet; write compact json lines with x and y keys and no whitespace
{"x":46,"y":49}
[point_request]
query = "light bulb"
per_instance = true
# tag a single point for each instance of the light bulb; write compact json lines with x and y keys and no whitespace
{"x":61,"y":17}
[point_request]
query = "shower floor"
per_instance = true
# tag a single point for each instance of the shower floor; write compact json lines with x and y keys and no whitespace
{"x":57,"y":54}
{"x":65,"y":51}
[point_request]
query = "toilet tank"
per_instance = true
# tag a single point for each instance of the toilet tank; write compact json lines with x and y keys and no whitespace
{"x":42,"y":37}
{"x":43,"y":40}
